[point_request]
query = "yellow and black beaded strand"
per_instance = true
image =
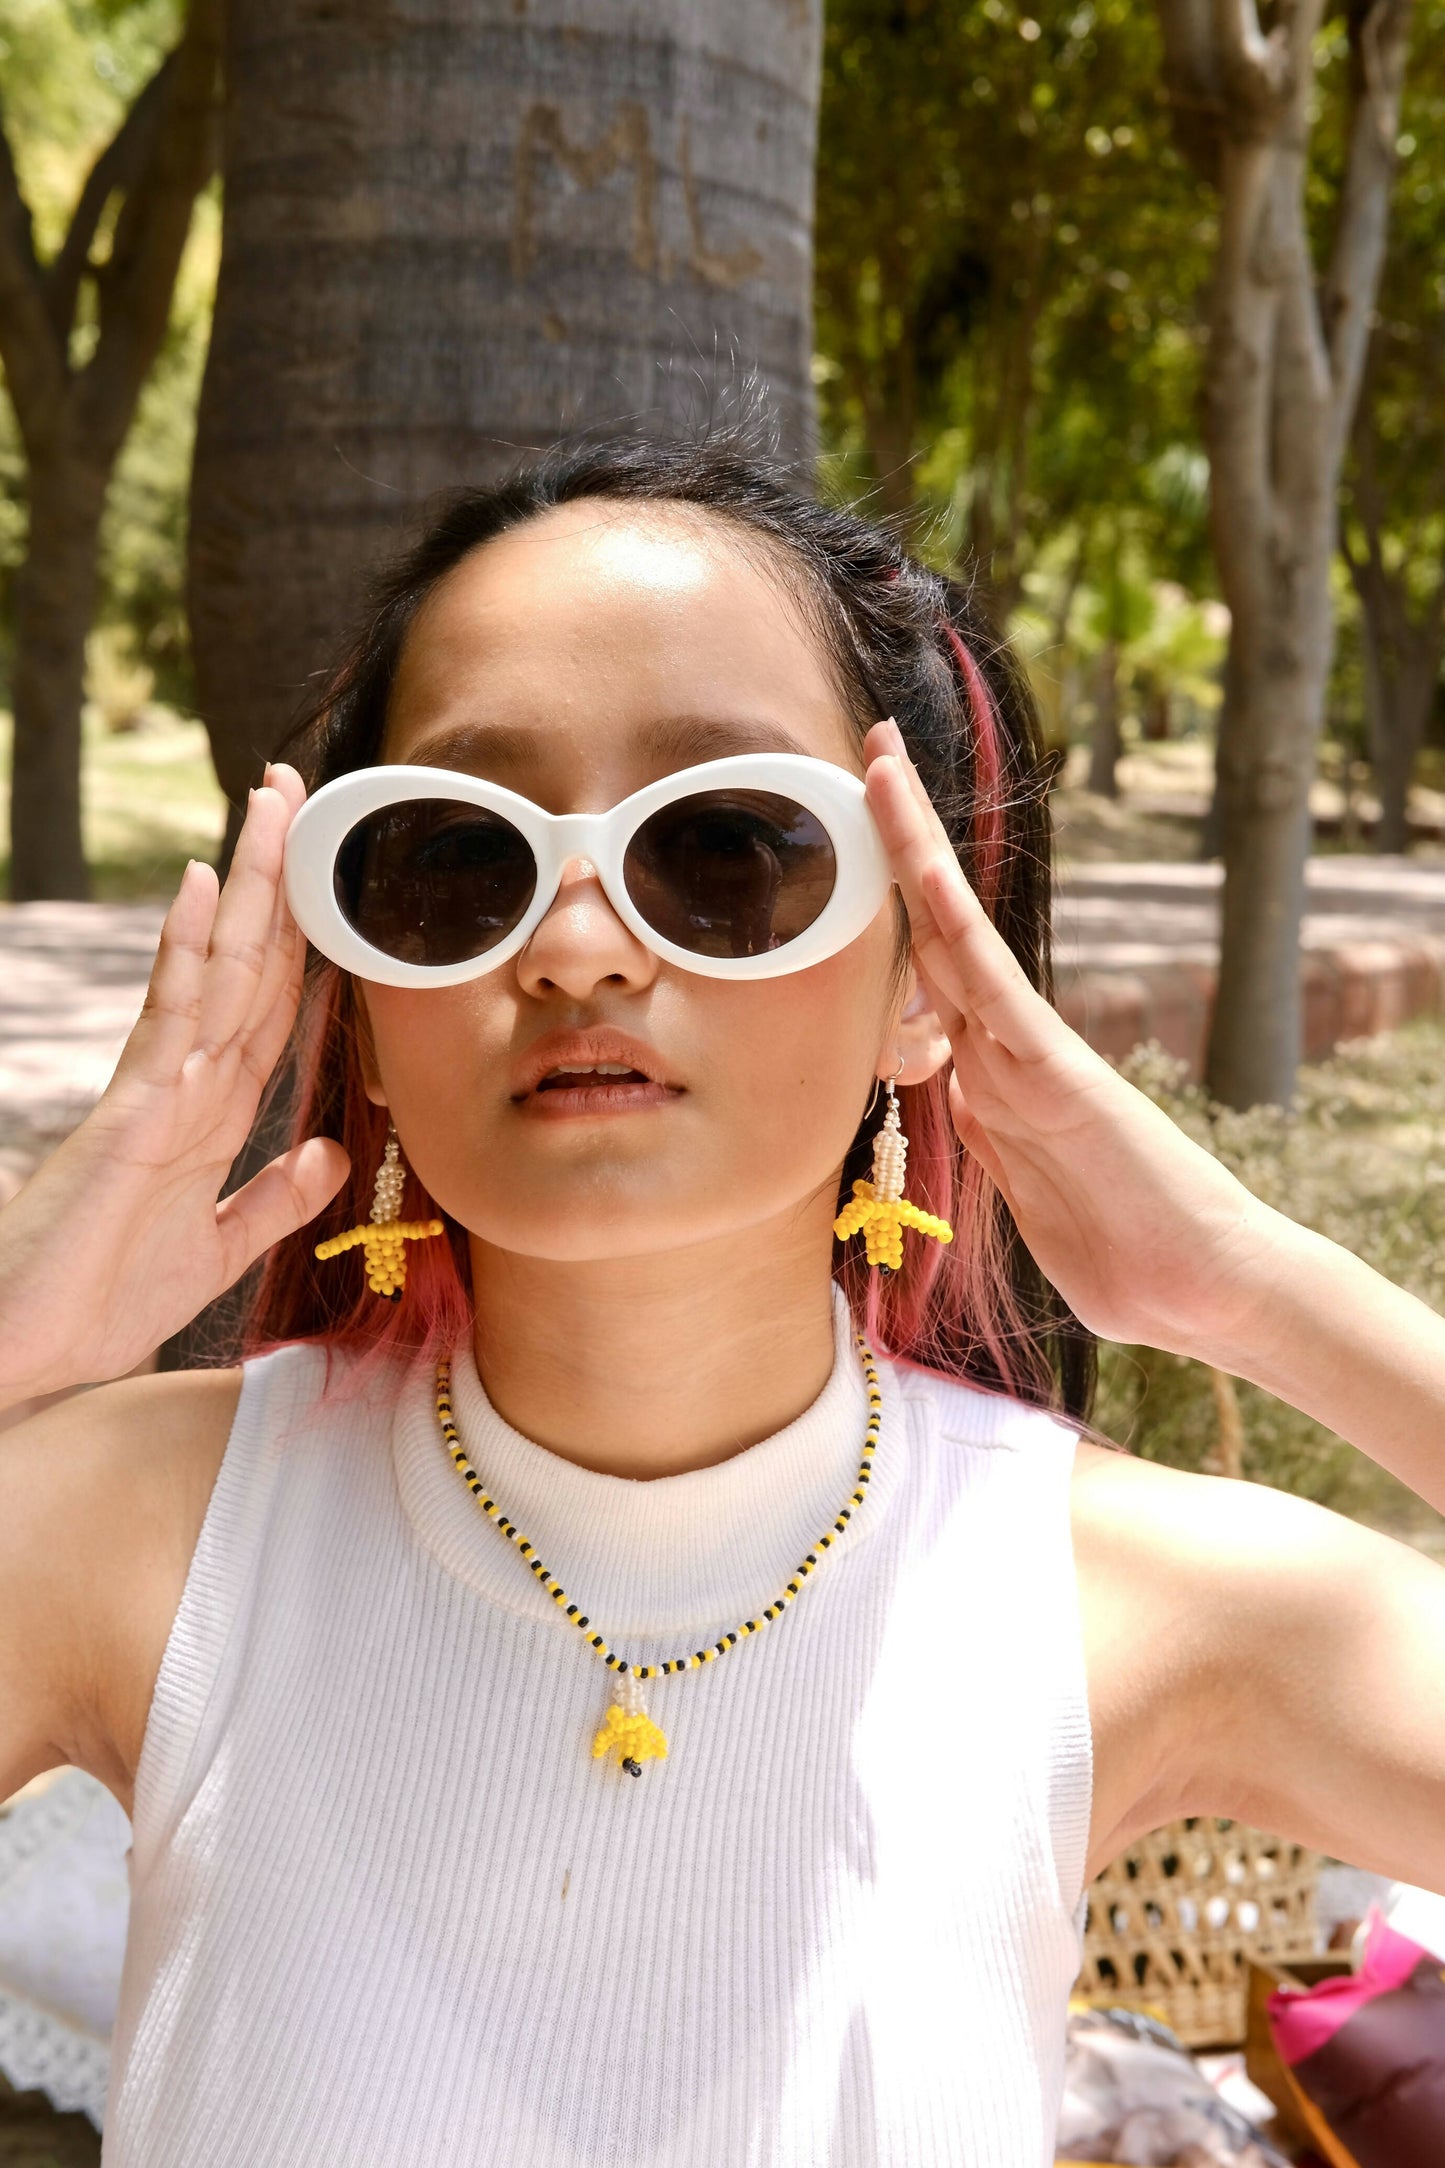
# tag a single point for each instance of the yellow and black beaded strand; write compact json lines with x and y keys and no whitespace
{"x":627,"y":1729}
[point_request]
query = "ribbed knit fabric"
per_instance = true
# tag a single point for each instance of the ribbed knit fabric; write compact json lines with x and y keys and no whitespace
{"x":388,"y":1912}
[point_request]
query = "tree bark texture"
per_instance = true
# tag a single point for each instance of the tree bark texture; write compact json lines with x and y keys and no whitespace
{"x":1282,"y":379}
{"x":73,"y":420}
{"x":450,"y":237}
{"x":55,"y":595}
{"x":1402,"y":656}
{"x":1402,"y":639}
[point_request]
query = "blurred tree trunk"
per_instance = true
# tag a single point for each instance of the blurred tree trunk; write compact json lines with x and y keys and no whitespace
{"x":1403,"y":639}
{"x":1286,"y":351}
{"x":1007,"y":398}
{"x":1402,"y":669}
{"x":449,"y":237}
{"x":55,"y":595}
{"x":73,"y":419}
{"x":1105,"y":743}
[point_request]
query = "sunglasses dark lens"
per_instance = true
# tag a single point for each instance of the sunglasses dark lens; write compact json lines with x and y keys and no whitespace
{"x":731,"y":872}
{"x":434,"y":881}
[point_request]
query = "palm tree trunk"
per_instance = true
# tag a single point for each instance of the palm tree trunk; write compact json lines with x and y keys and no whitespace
{"x":450,"y":238}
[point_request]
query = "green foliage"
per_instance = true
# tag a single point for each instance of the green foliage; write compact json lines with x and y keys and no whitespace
{"x":1007,"y":240}
{"x":1010,"y":255}
{"x":1360,"y":1157}
{"x":1406,"y":370}
{"x":70,"y":70}
{"x":1013,"y":263}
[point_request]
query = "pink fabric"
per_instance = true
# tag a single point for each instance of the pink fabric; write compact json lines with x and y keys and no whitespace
{"x":1303,"y":2019}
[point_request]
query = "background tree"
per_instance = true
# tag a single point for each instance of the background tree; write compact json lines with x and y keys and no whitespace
{"x":1008,"y":254}
{"x":1286,"y":352}
{"x":450,"y":236}
{"x":1393,"y":525}
{"x":78,"y":334}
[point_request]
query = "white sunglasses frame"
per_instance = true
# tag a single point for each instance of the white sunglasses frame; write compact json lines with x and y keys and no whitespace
{"x":862,"y":879}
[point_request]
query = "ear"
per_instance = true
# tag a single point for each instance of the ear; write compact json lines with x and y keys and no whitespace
{"x":919,"y":1038}
{"x":366,"y":1048}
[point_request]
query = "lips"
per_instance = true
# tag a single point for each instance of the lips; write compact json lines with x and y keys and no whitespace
{"x":649,"y":1083}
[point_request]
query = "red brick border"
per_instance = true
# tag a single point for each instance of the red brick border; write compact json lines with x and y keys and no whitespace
{"x":1348,"y":991}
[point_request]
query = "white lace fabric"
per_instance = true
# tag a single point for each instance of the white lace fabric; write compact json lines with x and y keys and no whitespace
{"x":64,"y":1907}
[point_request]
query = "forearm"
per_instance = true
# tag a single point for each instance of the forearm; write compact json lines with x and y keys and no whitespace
{"x":39,"y":1324}
{"x":1341,"y":1343}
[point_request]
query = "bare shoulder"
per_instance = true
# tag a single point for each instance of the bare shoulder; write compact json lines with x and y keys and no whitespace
{"x":1253,"y":1654}
{"x":102,"y":1498}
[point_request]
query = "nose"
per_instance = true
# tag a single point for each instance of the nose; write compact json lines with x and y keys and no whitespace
{"x":580,"y":943}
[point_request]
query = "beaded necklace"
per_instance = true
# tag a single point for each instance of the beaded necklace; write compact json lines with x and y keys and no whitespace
{"x":627,"y":1729}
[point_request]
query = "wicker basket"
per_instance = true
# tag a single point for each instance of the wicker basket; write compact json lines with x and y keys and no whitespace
{"x":1173,"y":1922}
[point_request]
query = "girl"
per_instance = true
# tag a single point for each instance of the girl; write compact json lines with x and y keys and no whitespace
{"x":613,"y":1675}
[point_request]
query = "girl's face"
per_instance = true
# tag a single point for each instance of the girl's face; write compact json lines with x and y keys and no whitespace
{"x":576,"y":659}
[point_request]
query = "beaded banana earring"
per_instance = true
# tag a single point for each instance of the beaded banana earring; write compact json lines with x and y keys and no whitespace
{"x":384,"y":1236}
{"x":879,"y":1207}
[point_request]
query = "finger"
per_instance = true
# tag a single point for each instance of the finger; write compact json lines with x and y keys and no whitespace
{"x":891,"y":740}
{"x":284,"y":778}
{"x":957,"y":947}
{"x":902,"y":827}
{"x":950,"y":1016}
{"x":913,"y":848}
{"x":264,"y":1041}
{"x":287,"y":953}
{"x":968,"y":956}
{"x":165,"y":1031}
{"x":278,"y":1200}
{"x":974,"y":1137}
{"x":285,"y":957}
{"x":241,"y":935}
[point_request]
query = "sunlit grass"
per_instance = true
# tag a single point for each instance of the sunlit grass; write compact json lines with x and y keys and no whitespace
{"x":150,"y":801}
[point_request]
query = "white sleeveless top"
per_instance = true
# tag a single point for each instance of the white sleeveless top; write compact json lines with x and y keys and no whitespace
{"x":388,"y":1911}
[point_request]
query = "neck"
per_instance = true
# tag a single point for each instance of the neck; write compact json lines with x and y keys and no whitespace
{"x":657,"y":1365}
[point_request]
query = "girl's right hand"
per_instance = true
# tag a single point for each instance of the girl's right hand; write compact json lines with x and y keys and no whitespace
{"x":1146,"y":1235}
{"x":118,"y":1241}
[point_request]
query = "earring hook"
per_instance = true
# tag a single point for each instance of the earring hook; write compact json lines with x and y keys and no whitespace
{"x":889,"y":1081}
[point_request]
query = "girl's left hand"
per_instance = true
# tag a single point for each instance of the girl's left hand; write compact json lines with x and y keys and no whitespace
{"x":1145,"y":1235}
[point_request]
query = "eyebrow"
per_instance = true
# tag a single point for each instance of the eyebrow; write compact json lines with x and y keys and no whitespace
{"x":685,"y":738}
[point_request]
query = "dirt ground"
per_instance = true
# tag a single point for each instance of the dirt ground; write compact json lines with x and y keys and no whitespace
{"x":32,"y":2135}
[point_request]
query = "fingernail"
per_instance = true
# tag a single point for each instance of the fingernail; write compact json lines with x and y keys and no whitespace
{"x":249,"y":796}
{"x":266,"y":775}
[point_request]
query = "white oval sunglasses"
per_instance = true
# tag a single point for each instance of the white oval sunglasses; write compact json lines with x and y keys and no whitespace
{"x":744,"y":868}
